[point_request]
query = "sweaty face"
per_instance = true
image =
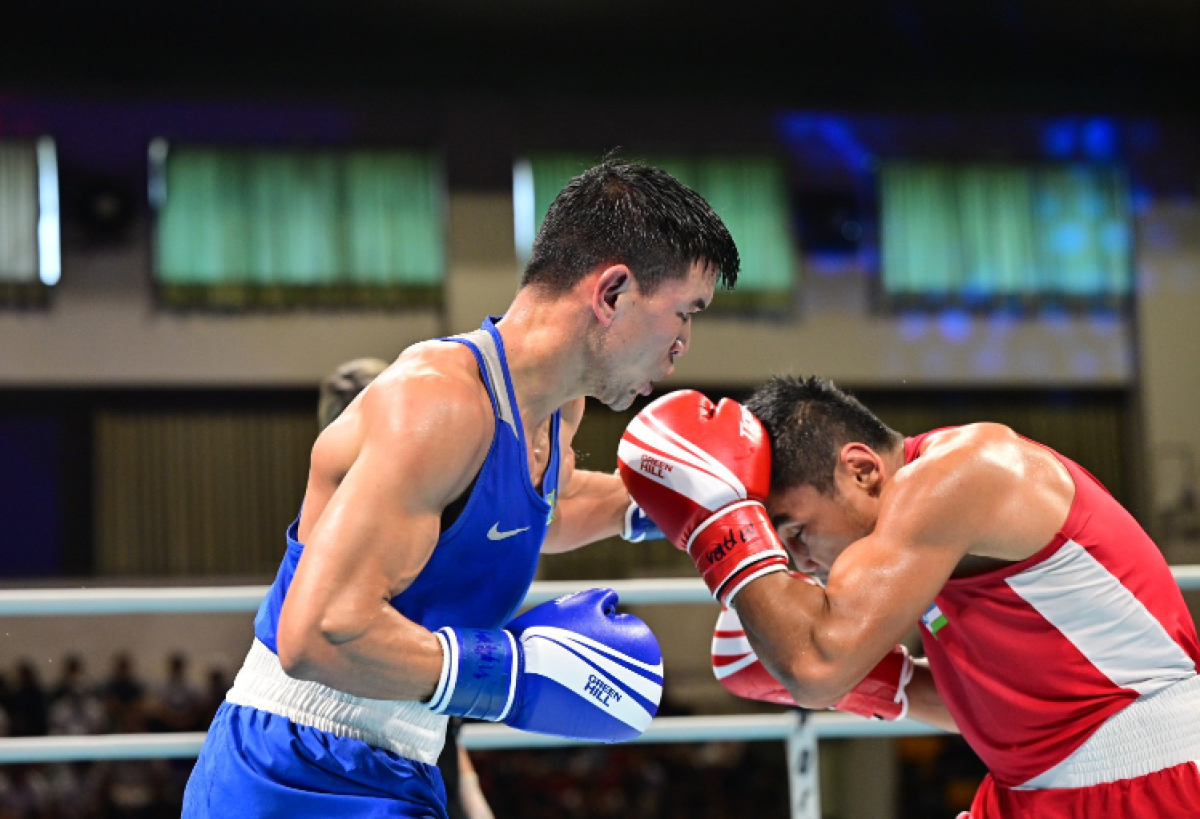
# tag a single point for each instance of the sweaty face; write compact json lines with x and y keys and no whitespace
{"x":815,"y":527}
{"x":649,"y":333}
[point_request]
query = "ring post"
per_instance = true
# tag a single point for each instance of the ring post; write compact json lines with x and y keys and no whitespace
{"x":803,"y":772}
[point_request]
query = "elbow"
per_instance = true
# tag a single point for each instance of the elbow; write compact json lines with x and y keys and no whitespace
{"x":815,"y":687}
{"x":305,"y":653}
{"x":296,"y":656}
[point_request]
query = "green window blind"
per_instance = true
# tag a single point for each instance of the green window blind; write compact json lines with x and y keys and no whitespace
{"x":239,"y":228}
{"x":29,"y":234}
{"x":977,"y":233}
{"x":749,"y":194}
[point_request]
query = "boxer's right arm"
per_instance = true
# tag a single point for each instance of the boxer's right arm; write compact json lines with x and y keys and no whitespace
{"x":424,"y":436}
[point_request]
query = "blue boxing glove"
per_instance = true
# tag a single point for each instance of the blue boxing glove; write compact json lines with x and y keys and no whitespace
{"x":638,"y":526}
{"x":571,"y":667}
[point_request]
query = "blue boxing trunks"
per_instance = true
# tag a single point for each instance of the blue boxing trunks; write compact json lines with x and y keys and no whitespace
{"x":242,"y":772}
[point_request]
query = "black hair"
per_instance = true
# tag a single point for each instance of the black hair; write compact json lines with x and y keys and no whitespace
{"x":341,"y":386}
{"x":625,"y":213}
{"x":809,"y":420}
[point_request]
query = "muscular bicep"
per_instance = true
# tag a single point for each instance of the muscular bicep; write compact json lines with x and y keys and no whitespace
{"x":421,"y":444}
{"x":876,"y":591}
{"x":931,"y":519}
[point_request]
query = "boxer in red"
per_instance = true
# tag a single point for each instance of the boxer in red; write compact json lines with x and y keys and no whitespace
{"x":1056,"y":639}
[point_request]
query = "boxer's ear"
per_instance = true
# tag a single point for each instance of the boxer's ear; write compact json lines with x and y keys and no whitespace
{"x":611,"y":286}
{"x":864,"y":466}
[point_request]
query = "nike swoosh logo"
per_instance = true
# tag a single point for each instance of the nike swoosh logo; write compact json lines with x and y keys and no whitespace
{"x":495,"y":534}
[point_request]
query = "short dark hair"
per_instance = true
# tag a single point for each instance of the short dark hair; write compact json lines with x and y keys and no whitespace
{"x":341,"y":386}
{"x":809,"y":420}
{"x":625,"y":213}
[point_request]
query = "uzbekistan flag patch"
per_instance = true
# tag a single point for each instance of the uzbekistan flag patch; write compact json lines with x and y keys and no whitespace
{"x":933,"y":619}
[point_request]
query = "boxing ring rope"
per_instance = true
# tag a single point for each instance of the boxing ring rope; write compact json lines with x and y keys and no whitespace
{"x":212,"y":599}
{"x":801,"y":731}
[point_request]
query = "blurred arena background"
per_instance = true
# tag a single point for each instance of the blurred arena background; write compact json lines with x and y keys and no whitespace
{"x":981,"y":211}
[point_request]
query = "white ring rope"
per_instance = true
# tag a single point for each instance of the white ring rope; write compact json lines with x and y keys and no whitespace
{"x":754,"y":727}
{"x":44,"y":602}
{"x":210,"y":599}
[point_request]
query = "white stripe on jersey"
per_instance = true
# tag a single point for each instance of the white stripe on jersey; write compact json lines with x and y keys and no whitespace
{"x":1103,"y":619}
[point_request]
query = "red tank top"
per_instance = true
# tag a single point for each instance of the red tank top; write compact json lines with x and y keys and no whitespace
{"x":1032,"y":658}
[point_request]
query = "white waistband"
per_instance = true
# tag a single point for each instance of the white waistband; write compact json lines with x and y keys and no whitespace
{"x":1150,"y":734}
{"x":407,"y":728}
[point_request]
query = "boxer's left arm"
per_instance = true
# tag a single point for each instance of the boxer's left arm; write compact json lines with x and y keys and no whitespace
{"x":375,"y":533}
{"x":591,"y":505}
{"x":819,"y":642}
{"x":897,"y":687}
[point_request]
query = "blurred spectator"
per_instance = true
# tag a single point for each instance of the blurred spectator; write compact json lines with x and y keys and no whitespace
{"x":938,"y":776}
{"x":26,"y":703}
{"x":124,"y":696}
{"x":133,"y":788}
{"x":176,"y":703}
{"x":71,"y":680}
{"x":78,"y":712}
{"x":75,"y":790}
{"x":74,"y":708}
{"x":217,"y":685}
{"x":5,"y":722}
{"x":684,"y":781}
{"x":24,"y":793}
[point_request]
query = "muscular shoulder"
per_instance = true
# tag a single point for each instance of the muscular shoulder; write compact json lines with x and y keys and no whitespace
{"x":433,"y":389}
{"x":428,"y":408}
{"x":435,"y":374}
{"x":984,"y":451}
{"x":984,"y":445}
{"x":987,"y":487}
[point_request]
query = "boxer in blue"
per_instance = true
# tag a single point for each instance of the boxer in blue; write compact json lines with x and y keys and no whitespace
{"x":427,"y":505}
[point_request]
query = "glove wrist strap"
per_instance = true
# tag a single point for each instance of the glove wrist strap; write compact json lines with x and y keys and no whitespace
{"x":479,"y":673}
{"x":735,"y":546}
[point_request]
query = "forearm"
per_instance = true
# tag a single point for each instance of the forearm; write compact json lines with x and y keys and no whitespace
{"x":815,"y":647}
{"x":779,"y":614}
{"x":592,"y":507}
{"x":382,"y":656}
{"x":925,"y":704}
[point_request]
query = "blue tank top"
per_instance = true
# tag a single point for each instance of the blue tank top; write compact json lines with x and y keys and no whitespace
{"x":483,"y":564}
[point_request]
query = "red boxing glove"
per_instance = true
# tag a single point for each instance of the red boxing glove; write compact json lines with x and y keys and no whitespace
{"x":701,"y":471}
{"x":880,"y":695}
{"x":737,"y":667}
